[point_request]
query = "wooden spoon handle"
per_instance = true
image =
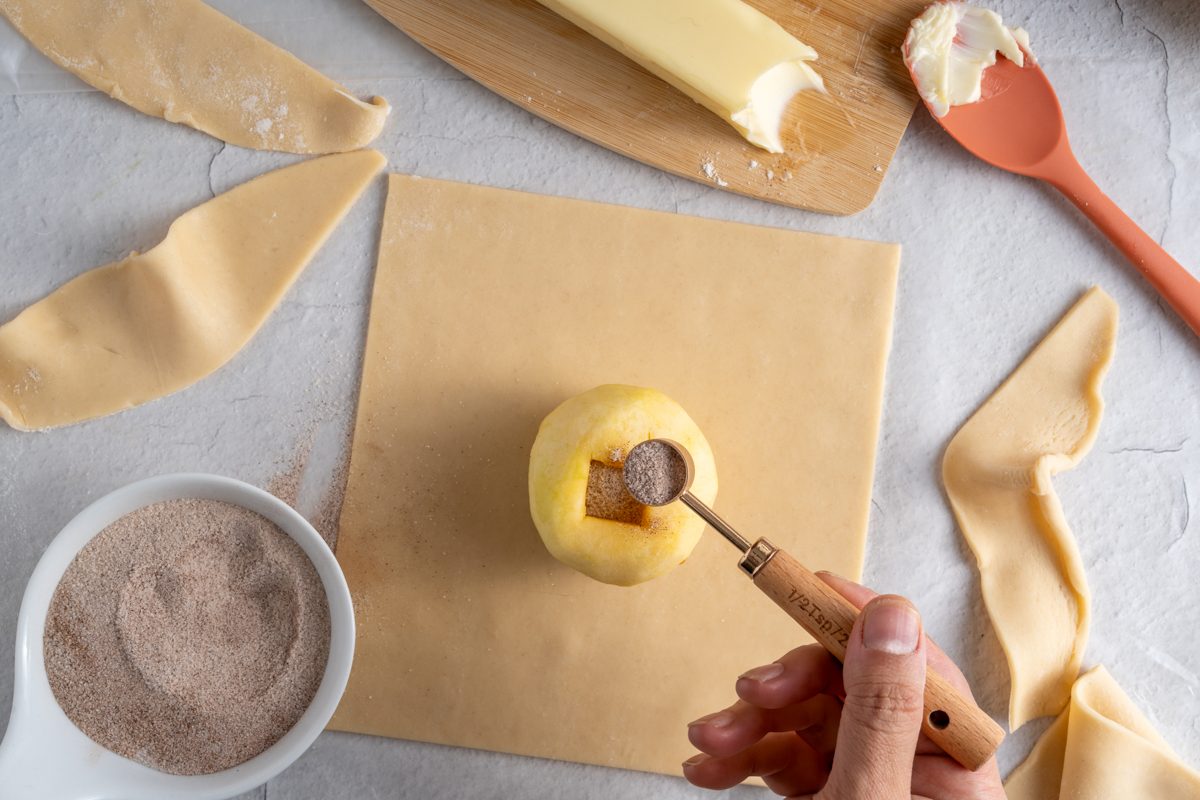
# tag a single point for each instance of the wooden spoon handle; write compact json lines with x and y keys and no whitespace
{"x":1169,"y":278}
{"x":952,"y":721}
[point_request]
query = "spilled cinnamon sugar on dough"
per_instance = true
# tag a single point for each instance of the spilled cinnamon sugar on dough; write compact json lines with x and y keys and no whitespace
{"x":186,"y":62}
{"x":154,"y":323}
{"x":1102,"y":748}
{"x":997,"y":471}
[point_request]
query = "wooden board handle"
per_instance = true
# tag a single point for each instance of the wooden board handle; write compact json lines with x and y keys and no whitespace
{"x":952,"y":721}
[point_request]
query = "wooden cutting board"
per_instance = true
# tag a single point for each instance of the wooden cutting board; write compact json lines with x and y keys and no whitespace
{"x":838,"y":152}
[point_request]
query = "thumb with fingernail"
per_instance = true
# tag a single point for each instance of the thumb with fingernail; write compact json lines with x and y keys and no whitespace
{"x":884,"y":679}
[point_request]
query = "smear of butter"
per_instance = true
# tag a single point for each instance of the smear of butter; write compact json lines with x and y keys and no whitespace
{"x":949,"y":47}
{"x":724,"y":54}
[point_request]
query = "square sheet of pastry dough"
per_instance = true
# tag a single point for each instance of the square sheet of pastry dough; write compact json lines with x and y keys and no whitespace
{"x":491,"y":307}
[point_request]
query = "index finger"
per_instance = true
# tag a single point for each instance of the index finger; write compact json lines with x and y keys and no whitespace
{"x":795,"y":677}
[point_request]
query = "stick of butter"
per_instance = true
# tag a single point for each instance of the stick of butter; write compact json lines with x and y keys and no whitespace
{"x":724,"y":54}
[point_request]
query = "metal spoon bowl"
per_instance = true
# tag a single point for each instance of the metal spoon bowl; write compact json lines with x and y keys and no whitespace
{"x":657,"y":449}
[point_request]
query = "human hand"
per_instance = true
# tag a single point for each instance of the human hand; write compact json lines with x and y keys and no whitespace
{"x":792,"y":727}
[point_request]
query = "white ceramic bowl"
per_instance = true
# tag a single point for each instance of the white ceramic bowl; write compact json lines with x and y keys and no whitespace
{"x":45,"y":757}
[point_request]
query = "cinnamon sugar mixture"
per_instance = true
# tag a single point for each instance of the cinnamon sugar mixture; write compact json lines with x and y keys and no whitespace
{"x":655,"y":473}
{"x":189,"y":635}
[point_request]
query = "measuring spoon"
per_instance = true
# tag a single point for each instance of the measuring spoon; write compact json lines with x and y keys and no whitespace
{"x":45,"y":757}
{"x":952,"y":722}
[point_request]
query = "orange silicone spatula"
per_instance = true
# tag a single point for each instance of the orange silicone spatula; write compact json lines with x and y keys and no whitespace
{"x":1018,"y":126}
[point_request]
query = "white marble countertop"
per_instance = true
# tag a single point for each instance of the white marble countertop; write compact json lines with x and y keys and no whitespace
{"x":990,"y":263}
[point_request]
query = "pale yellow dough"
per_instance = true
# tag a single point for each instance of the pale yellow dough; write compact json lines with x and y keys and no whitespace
{"x":489,"y":308}
{"x":129,"y":332}
{"x":1102,"y":748}
{"x":997,"y":472}
{"x":186,"y":62}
